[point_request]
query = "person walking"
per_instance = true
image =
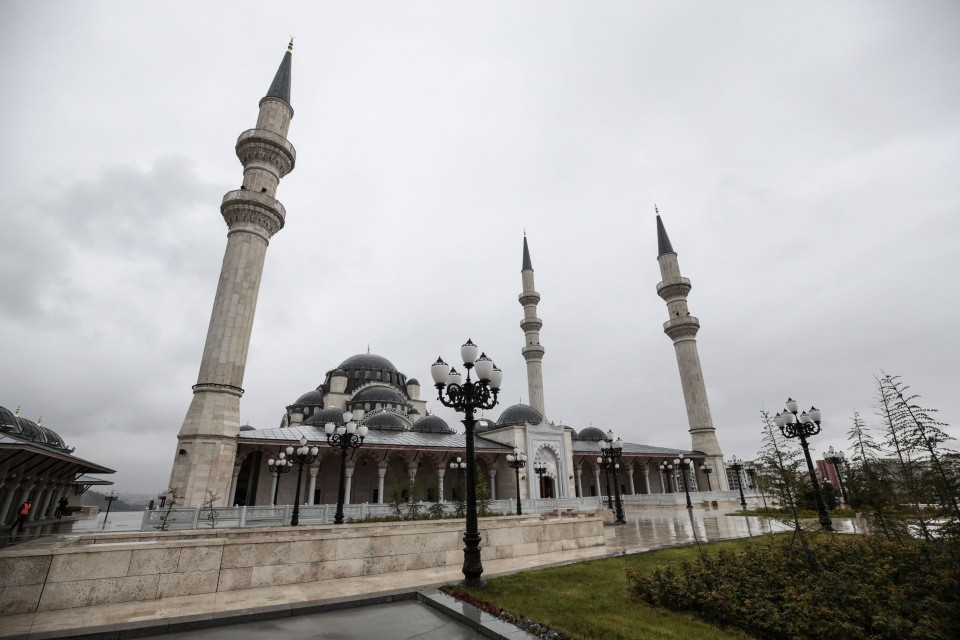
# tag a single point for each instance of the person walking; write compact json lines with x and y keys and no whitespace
{"x":61,"y":507}
{"x":22,"y":514}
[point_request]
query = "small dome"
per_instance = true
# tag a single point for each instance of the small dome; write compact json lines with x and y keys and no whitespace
{"x":413,"y":381}
{"x":247,"y":427}
{"x":322,"y":417}
{"x":367,"y":361}
{"x":339,"y":372}
{"x":378,"y":393}
{"x":312,"y":398}
{"x":385,"y":421}
{"x":432,"y":424}
{"x":573,"y":432}
{"x":592,"y":433}
{"x":484,"y":424}
{"x":519,"y":414}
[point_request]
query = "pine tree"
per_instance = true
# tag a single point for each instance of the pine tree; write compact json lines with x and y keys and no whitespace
{"x":867,"y":488}
{"x":896,"y":428}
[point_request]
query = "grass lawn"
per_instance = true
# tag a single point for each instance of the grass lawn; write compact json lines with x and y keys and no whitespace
{"x":589,"y":600}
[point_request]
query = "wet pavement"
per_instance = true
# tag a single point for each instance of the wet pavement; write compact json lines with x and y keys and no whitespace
{"x":397,"y":620}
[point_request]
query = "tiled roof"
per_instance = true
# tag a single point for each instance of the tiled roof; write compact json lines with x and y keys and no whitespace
{"x":376,"y":438}
{"x":592,"y":446}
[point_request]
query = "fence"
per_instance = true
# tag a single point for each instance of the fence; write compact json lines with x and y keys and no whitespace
{"x":268,"y":516}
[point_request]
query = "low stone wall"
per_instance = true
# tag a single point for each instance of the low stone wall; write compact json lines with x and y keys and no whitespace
{"x":111,"y":568}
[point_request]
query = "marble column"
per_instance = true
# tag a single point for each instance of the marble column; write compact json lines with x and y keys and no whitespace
{"x":596,"y":477}
{"x":412,"y":474}
{"x":493,"y":483}
{"x":232,"y":498}
{"x":312,"y":491}
{"x":646,"y":478}
{"x":440,"y":472}
{"x":273,"y":488}
{"x":579,"y":471}
{"x":381,"y":474}
{"x":633,"y":491}
{"x":349,"y":485}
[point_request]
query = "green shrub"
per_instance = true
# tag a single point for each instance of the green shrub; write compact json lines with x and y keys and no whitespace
{"x":868,"y":588}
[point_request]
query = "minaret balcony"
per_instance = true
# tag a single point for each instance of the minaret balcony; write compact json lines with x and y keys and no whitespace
{"x":529,"y":297}
{"x":260,"y":145}
{"x":674,"y":288}
{"x":531,"y":324}
{"x":683,"y":327}
{"x":244,"y":208}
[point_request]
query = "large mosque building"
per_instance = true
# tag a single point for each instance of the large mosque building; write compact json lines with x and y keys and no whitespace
{"x":407,"y":449}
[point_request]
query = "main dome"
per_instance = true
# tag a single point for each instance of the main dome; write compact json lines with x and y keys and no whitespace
{"x":367,"y":361}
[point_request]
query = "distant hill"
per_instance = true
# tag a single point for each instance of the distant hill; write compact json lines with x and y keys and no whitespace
{"x":123,"y":503}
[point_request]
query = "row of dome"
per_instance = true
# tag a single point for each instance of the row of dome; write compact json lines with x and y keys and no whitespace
{"x":13,"y":423}
{"x":517,"y":414}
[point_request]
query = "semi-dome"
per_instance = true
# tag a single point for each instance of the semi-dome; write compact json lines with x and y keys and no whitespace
{"x":432,"y":424}
{"x":29,"y":430}
{"x":483,"y":424}
{"x":367,"y":361}
{"x":592,"y":433}
{"x":312,"y":398}
{"x":413,"y":381}
{"x":519,"y":414}
{"x":385,"y":421}
{"x":322,"y":417}
{"x":378,"y":393}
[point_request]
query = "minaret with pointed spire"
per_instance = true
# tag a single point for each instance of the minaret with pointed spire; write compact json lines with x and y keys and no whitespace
{"x":206,"y":450}
{"x":682,"y":328}
{"x":531,"y":324}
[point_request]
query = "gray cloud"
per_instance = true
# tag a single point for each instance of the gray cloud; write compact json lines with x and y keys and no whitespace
{"x":804,"y":157}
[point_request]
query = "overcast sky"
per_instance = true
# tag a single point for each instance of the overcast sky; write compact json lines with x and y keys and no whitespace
{"x":805,"y":158}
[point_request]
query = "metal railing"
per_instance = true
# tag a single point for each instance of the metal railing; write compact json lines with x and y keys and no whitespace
{"x":271,"y":516}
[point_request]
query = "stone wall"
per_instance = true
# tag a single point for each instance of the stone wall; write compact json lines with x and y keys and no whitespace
{"x":111,"y":568}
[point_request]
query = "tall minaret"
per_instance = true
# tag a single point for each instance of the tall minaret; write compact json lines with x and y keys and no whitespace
{"x":682,"y":329}
{"x":207,"y":440}
{"x":532,"y":351}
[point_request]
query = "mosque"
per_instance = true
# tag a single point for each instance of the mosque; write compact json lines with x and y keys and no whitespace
{"x":407,"y":448}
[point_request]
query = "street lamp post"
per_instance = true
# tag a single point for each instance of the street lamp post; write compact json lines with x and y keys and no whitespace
{"x":736,"y":464}
{"x":805,"y":425}
{"x":110,"y":497}
{"x":610,"y":460}
{"x":346,"y":436}
{"x":302,"y":455}
{"x":707,"y":470}
{"x":278,"y":467}
{"x":468,"y":396}
{"x":666,"y":468}
{"x":684,"y":465}
{"x":516,"y":461}
{"x":837,"y":459}
{"x":540,"y":468}
{"x":602,"y":463}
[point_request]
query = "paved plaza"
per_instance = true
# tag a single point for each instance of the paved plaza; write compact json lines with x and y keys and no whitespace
{"x":647,"y":528}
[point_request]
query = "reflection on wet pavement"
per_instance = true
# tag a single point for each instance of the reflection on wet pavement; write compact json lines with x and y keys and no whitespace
{"x":652,"y":528}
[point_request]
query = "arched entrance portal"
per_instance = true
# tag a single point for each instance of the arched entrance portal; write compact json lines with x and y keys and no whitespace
{"x":547,"y":487}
